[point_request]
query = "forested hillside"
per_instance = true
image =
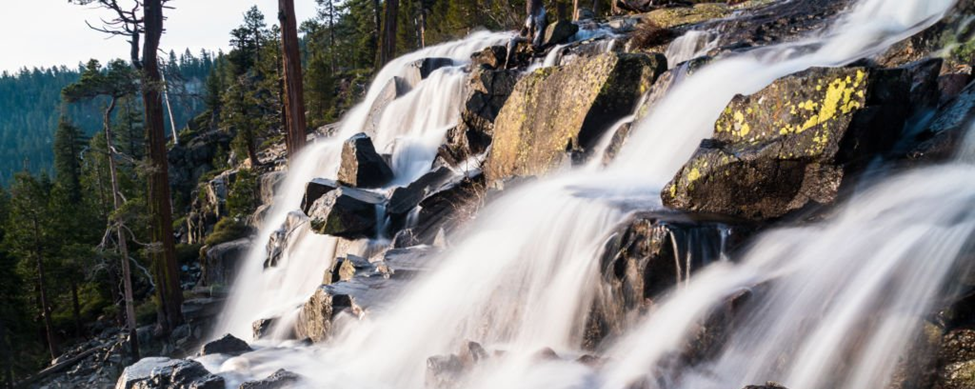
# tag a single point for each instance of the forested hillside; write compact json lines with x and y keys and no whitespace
{"x":30,"y":108}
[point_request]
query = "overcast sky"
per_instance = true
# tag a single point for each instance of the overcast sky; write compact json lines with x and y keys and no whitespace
{"x":53,"y":32}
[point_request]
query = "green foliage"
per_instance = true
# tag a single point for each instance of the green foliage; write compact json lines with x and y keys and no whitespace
{"x":244,"y":195}
{"x":226,"y":230}
{"x":188,"y":253}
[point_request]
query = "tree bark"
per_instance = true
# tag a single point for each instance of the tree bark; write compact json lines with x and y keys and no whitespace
{"x":388,"y":46}
{"x":379,"y":24}
{"x":6,"y":362}
{"x":331,"y":33}
{"x":294,"y":100}
{"x":76,"y":309}
{"x":163,"y":250}
{"x":122,"y":246}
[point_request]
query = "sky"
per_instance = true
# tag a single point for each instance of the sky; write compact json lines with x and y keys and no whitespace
{"x":53,"y":32}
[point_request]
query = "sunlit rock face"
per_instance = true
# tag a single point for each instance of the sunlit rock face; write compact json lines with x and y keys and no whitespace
{"x":793,"y":142}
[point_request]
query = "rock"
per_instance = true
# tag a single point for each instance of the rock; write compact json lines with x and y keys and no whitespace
{"x":677,"y":16}
{"x":767,"y":160}
{"x":281,"y":379}
{"x":488,"y":90}
{"x":443,"y":371}
{"x":472,"y":353}
{"x":938,"y":142}
{"x":639,"y":262}
{"x":220,"y":262}
{"x":952,"y":85}
{"x":404,"y":199}
{"x":227,"y":345}
{"x":160,"y":373}
{"x":315,"y":189}
{"x":559,"y":32}
{"x":448,"y":209}
{"x":315,"y":318}
{"x":763,"y":24}
{"x":362,"y":166}
{"x":277,"y":243}
{"x":560,"y":110}
{"x":345,"y":212}
{"x":959,"y":375}
{"x":949,"y":38}
{"x":262,"y":327}
{"x":421,"y":69}
{"x":393,"y":89}
{"x":958,"y":346}
{"x":616,"y":143}
{"x":490,"y":58}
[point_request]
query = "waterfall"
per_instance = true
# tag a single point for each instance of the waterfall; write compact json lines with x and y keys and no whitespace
{"x":524,"y":274}
{"x":411,"y":129}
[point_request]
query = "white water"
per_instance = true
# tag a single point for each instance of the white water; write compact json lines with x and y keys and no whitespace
{"x":524,"y":276}
{"x":691,"y":45}
{"x":411,"y":128}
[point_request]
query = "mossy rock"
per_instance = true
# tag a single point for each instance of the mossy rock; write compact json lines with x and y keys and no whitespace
{"x":557,"y":111}
{"x":793,"y":142}
{"x":672,"y":17}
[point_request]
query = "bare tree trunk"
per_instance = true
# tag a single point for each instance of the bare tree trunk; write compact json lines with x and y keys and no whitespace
{"x":76,"y":309}
{"x":575,"y":9}
{"x":122,"y":246}
{"x":42,"y":292}
{"x":163,"y":250}
{"x":423,"y":27}
{"x":331,"y":32}
{"x":388,"y":45}
{"x":595,"y":8}
{"x":294,"y":100}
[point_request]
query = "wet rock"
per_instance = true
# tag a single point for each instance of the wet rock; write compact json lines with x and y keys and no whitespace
{"x":362,"y":166}
{"x":649,"y":254}
{"x":403,"y":199}
{"x":227,"y":344}
{"x":315,"y":317}
{"x":277,"y":243}
{"x":939,"y":141}
{"x":261,"y":328}
{"x":443,"y":371}
{"x":767,"y":160}
{"x":559,"y":32}
{"x":449,"y":209}
{"x":951,"y":85}
{"x":949,"y":38}
{"x":281,"y":379}
{"x":555,"y":112}
{"x":220,"y":262}
{"x":546,"y":354}
{"x":767,"y":23}
{"x":421,"y":69}
{"x":345,"y":212}
{"x":490,"y":58}
{"x":159,"y":373}
{"x":488,"y":91}
{"x":315,"y":189}
{"x":958,"y":346}
{"x":616,"y":143}
{"x":394,"y":88}
{"x":472,"y":353}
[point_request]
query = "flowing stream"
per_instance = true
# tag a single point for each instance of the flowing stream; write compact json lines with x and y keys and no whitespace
{"x":524,"y":274}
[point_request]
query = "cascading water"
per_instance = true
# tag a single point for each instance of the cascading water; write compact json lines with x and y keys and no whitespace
{"x":411,"y":129}
{"x":523,"y":276}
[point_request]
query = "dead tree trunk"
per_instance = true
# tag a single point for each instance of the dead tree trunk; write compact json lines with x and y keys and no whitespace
{"x":294,"y":100}
{"x":388,"y":46}
{"x":163,"y":250}
{"x":52,"y":345}
{"x":122,"y":246}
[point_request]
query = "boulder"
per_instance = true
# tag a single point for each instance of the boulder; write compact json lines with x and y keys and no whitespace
{"x":421,"y":69}
{"x":448,"y":209}
{"x":281,"y":379}
{"x":559,"y":32}
{"x":490,"y":58}
{"x":404,"y":199}
{"x":959,"y":375}
{"x":791,"y":144}
{"x":938,"y":142}
{"x":315,"y":318}
{"x":314,"y":190}
{"x":394,"y":88}
{"x":346,"y":212}
{"x":262,"y":327}
{"x":220,"y":262}
{"x":768,"y":385}
{"x":227,"y":345}
{"x":554,"y":112}
{"x":277,"y":243}
{"x":165,"y":373}
{"x":488,"y":90}
{"x":648,"y":254}
{"x":362,"y":166}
